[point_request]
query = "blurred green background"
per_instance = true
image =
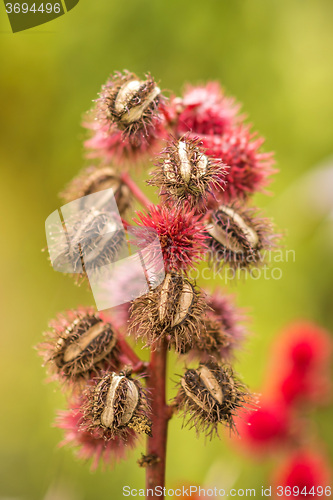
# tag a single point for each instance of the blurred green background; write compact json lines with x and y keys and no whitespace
{"x":275,"y":56}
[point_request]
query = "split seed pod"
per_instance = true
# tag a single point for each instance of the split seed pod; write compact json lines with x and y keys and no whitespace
{"x":210,"y":395}
{"x":79,"y":345}
{"x":174,"y":310}
{"x":236,"y":237}
{"x":115,"y":405}
{"x":184,"y":172}
{"x":94,"y":179}
{"x":130,"y":103}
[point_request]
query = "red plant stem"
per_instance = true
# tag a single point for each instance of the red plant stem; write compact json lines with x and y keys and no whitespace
{"x":156,"y":445}
{"x":135,"y":190}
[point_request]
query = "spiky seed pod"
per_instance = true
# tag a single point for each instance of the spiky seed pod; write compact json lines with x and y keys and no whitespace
{"x":130,"y":103}
{"x":174,"y":310}
{"x":184,"y":172}
{"x":92,"y":180}
{"x":210,"y":395}
{"x":228,"y":319}
{"x":79,"y":344}
{"x":181,"y":233}
{"x":213,"y":341}
{"x":115,"y":405}
{"x":127,"y":123}
{"x":93,"y":239}
{"x":206,"y":110}
{"x":237,"y":237}
{"x":250,"y":168}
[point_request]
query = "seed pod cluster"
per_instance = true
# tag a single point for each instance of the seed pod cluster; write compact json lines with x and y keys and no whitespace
{"x":174,"y":310}
{"x":75,"y":349}
{"x":184,"y":172}
{"x":236,"y":237}
{"x":93,"y":239}
{"x":211,"y":395}
{"x":115,"y":405}
{"x":94,"y":179}
{"x":129,"y":102}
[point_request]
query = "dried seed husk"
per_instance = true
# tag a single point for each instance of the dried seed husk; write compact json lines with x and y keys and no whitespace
{"x":85,"y":344}
{"x":117,"y":404}
{"x":174,"y":310}
{"x":130,"y":403}
{"x":236,"y":237}
{"x":214,"y":342}
{"x":128,"y":102}
{"x":78,"y":345}
{"x":185,"y":173}
{"x":211,"y":395}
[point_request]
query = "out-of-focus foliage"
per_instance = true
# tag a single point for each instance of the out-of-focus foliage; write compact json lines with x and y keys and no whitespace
{"x":275,"y":57}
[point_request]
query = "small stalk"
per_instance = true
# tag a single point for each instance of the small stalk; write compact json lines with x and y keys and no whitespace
{"x":156,"y":445}
{"x":135,"y":190}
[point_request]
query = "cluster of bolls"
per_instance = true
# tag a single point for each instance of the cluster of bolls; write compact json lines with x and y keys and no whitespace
{"x":207,"y":165}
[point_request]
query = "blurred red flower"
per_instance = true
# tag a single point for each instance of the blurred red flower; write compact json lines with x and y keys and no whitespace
{"x":304,"y":474}
{"x":265,"y":429}
{"x":300,"y":368}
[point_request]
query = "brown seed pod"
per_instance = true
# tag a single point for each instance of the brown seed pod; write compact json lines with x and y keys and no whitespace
{"x":115,"y":405}
{"x":210,"y":395}
{"x":93,"y":239}
{"x":174,"y":310}
{"x":184,"y":172}
{"x":213,"y":341}
{"x":237,"y":238}
{"x":130,"y":103}
{"x":92,"y":180}
{"x":79,"y":345}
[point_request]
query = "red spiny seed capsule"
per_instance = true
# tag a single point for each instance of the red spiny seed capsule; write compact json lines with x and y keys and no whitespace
{"x":181,"y":233}
{"x":206,"y":110}
{"x":210,"y":395}
{"x":237,"y":238}
{"x":92,"y":180}
{"x":93,"y":239}
{"x":130,"y":103}
{"x":91,"y":445}
{"x":78,"y":344}
{"x":249,"y":167}
{"x":174,"y":310}
{"x":184,"y":172}
{"x":115,"y":405}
